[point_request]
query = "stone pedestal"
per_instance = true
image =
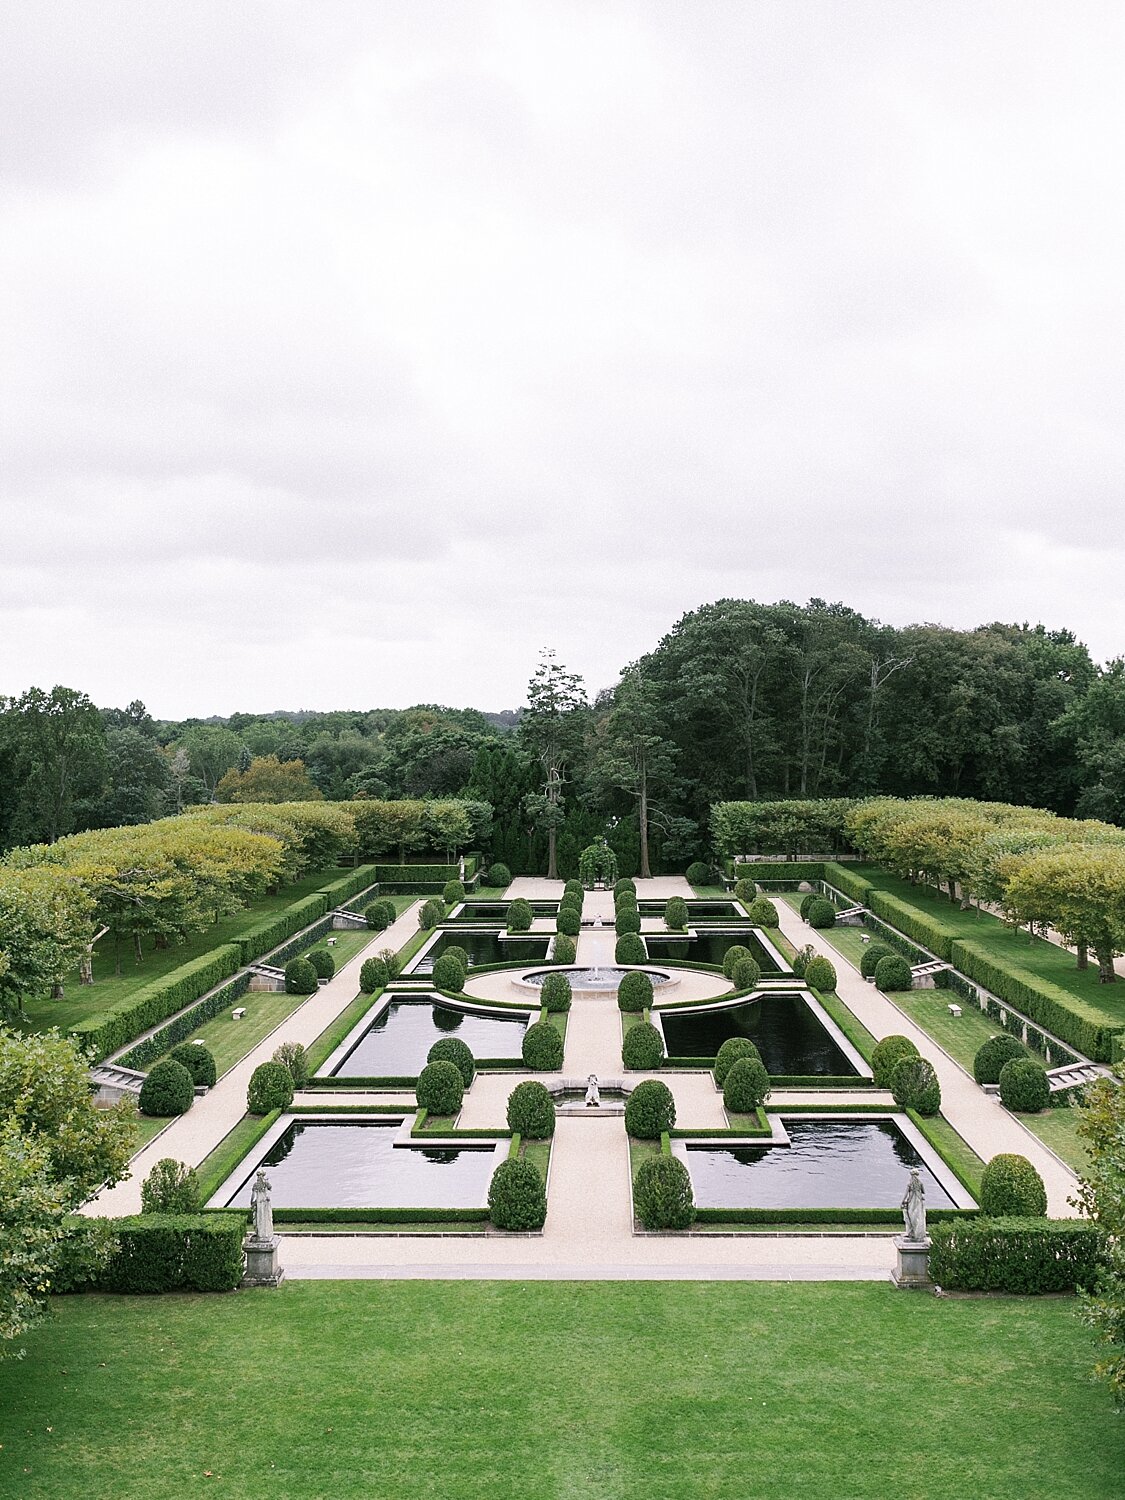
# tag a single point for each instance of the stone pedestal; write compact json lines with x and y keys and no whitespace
{"x":262,"y":1268}
{"x":912,"y":1271}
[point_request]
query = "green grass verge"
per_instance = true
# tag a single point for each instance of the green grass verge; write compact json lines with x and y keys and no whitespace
{"x":854,"y":1029}
{"x":956,"y":1152}
{"x":218,"y":1164}
{"x":407,"y":1389}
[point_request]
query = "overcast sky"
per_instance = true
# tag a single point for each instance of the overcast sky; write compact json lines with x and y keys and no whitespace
{"x":352,"y":352}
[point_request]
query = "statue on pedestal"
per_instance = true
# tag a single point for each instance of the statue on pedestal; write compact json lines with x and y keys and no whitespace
{"x":593,"y":1093}
{"x":262,"y":1208}
{"x":914,"y":1208}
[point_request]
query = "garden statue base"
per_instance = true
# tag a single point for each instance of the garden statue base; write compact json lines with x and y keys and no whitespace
{"x":262,"y":1268}
{"x":912,"y":1271}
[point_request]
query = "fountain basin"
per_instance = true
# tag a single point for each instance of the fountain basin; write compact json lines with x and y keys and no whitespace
{"x":592,"y":981}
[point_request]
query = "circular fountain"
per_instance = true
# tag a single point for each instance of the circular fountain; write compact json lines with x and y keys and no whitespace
{"x":599,"y":980}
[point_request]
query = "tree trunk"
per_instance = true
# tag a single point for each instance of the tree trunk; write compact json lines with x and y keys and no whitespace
{"x":57,"y":990}
{"x":642,"y":821}
{"x":552,"y":859}
{"x":1083,"y":955}
{"x":137,"y":949}
{"x":1106,"y":972}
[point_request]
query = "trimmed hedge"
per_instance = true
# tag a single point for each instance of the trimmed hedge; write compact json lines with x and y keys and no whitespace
{"x":630,"y":949}
{"x":676,"y":913}
{"x":264,"y":936}
{"x":451,"y":1049}
{"x":565,"y":950}
{"x":1023,"y":1086}
{"x":893,"y":973}
{"x":355,"y":883}
{"x":993,"y":1054}
{"x":411,"y":875}
{"x":914,"y":1084}
{"x":650,"y":1110}
{"x":1018,"y":1256}
{"x":173,"y":1253}
{"x":542,"y":1048}
{"x":821,"y":974}
{"x":531,"y":1111}
{"x":113,"y":1028}
{"x":733,"y":1050}
{"x":448,"y":973}
{"x":520,"y":915}
{"x":1010,"y":1187}
{"x":301,"y":977}
{"x":869,"y":958}
{"x":440,"y":1088}
{"x":848,"y":883}
{"x":182,"y":1025}
{"x":821,"y":913}
{"x":168,"y":1090}
{"x":634,"y":993}
{"x":568,"y":922}
{"x":662,"y":1195}
{"x":763,"y":912}
{"x":917,"y":925}
{"x":270,"y":1088}
{"x":793,"y":872}
{"x":517,"y":1197}
{"x":747,"y":1086}
{"x":886,"y":1054}
{"x":643,"y":1047}
{"x":198,"y":1060}
{"x":555,"y":992}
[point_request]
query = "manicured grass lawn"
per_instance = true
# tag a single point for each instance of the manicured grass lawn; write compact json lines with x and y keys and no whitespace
{"x":505,"y":1390}
{"x":1058,"y":1128}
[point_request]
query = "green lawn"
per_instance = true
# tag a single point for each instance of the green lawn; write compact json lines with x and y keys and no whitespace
{"x":559,"y":1390}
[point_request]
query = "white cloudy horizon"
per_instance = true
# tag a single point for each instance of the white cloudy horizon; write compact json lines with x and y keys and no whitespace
{"x":354,"y":353}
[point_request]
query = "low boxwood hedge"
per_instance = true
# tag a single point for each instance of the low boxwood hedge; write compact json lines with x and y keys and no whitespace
{"x":113,"y":1028}
{"x":1018,"y":1256}
{"x":169,"y":1253}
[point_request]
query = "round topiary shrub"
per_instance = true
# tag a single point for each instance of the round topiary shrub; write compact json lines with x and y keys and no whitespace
{"x":460,"y":954}
{"x":391,"y":962}
{"x":806,"y":904}
{"x":624,"y":884}
{"x":734,"y":954}
{"x":499,"y":876}
{"x":430,"y":913}
{"x":747,"y":1086}
{"x":271,"y":1087}
{"x":372,"y":975}
{"x":380,"y":914}
{"x":993,"y":1054}
{"x":802,"y":958}
{"x":452,"y":892}
{"x":531,"y":1111}
{"x":167,"y":1090}
{"x":555,"y":992}
{"x":542,"y":1048}
{"x":565,"y":950}
{"x":517,"y":1199}
{"x":323,"y":962}
{"x":662,"y":1196}
{"x":441,"y":1086}
{"x":893,"y":973}
{"x":627,"y":921}
{"x":733,"y":1050}
{"x":869,"y":958}
{"x":574,"y":888}
{"x":698,"y":873}
{"x":650,"y":1111}
{"x":747,"y":972}
{"x":571,"y":902}
{"x":630,"y":950}
{"x":452,"y":1049}
{"x":301,"y":977}
{"x":171,"y":1188}
{"x":291,"y":1055}
{"x":448,"y":974}
{"x":198,"y":1060}
{"x":1010,"y":1187}
{"x":568,"y":922}
{"x":821,"y":913}
{"x":745,"y":890}
{"x":675,"y":913}
{"x":643,"y":1047}
{"x":625,"y":901}
{"x":520,"y":915}
{"x":1023,"y":1086}
{"x":821,"y":974}
{"x":885,"y":1054}
{"x":634,"y":992}
{"x":763,"y":912}
{"x":915,"y":1085}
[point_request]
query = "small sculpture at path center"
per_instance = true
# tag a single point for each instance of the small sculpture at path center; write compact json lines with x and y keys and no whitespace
{"x":593,"y":1095}
{"x":914,"y":1208}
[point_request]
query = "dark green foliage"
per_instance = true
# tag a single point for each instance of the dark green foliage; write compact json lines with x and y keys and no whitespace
{"x":806,"y":904}
{"x":167,"y":1090}
{"x":676,"y":913}
{"x":555,"y":992}
{"x":200,"y":1063}
{"x":291,"y":1055}
{"x":517,"y":1198}
{"x":869,"y":958}
{"x":175,"y":1252}
{"x":574,"y":888}
{"x":380,"y":915}
{"x":886,"y":1054}
{"x":270,"y":1088}
{"x":733,"y":1050}
{"x":763,"y":912}
{"x":699,"y":873}
{"x":323,"y":962}
{"x":372,"y":975}
{"x":452,"y":892}
{"x":499,"y":876}
{"x":802,"y":958}
{"x":993,"y":1054}
{"x":1018,"y":1256}
{"x":170,"y":1188}
{"x":191,"y":1019}
{"x":565,"y":949}
{"x":572,"y":904}
{"x":821,"y":913}
{"x":662,"y":1196}
{"x":300,"y":977}
{"x":265,"y":936}
{"x":542,"y":1048}
{"x":736,"y":953}
{"x":460,"y":954}
{"x":448,"y":974}
{"x":745,"y":890}
{"x":821,"y":974}
{"x":747,"y":1086}
{"x":915,"y":1085}
{"x":650,"y":1111}
{"x":1023,"y":1086}
{"x":919,"y":926}
{"x":630,"y":950}
{"x":634,"y":992}
{"x":531,"y":1111}
{"x":451,"y":1049}
{"x":520,"y":915}
{"x":624,"y":884}
{"x":643,"y":1047}
{"x":568,"y":922}
{"x":627,"y":921}
{"x":1010,"y":1187}
{"x":430,"y":913}
{"x":747,"y":973}
{"x":157,"y":1001}
{"x":440,"y":1088}
{"x":893,"y":973}
{"x":625,"y":901}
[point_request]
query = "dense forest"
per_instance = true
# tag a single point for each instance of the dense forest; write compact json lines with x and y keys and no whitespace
{"x":738,"y":701}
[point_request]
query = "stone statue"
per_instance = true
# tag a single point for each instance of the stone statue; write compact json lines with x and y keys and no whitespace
{"x":461,"y":868}
{"x":593,"y":1095}
{"x":914,"y":1208}
{"x":263,"y":1209}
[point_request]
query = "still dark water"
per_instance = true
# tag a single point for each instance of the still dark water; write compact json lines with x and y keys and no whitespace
{"x":709,"y":948}
{"x":396,"y":1043}
{"x":830,"y":1164}
{"x":354,"y":1164}
{"x":487,"y":948}
{"x":497,"y":911}
{"x":782,"y":1027}
{"x":701,"y":911}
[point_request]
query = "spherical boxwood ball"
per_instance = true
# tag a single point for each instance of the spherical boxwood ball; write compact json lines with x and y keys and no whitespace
{"x":460,"y":954}
{"x":993,"y":1054}
{"x":430,"y":913}
{"x":440,"y":1088}
{"x":662,"y":1196}
{"x":301,"y":977}
{"x":380,"y":914}
{"x":271,"y":1087}
{"x":763,"y":912}
{"x":624,"y":884}
{"x":555,"y":992}
{"x":520,"y":915}
{"x":886,"y":1053}
{"x":372,"y":975}
{"x":650,"y":1111}
{"x":630,"y":950}
{"x":542,"y":1048}
{"x":893,"y":973}
{"x":806,"y":904}
{"x":627,"y":921}
{"x":676,"y":913}
{"x":499,"y":876}
{"x":746,"y":973}
{"x":452,"y":892}
{"x":643,"y":1047}
{"x":869,"y":958}
{"x":452,"y":1049}
{"x":448,"y":973}
{"x":170,"y":1188}
{"x":698,"y":873}
{"x":734,"y":954}
{"x":821,"y":974}
{"x":745,"y":890}
{"x":625,"y":901}
{"x":167,"y":1090}
{"x":531,"y":1111}
{"x":1024,"y":1086}
{"x":733,"y":1050}
{"x":634,"y":993}
{"x":915,"y":1085}
{"x":199,"y":1062}
{"x":821,"y":913}
{"x":323,"y":962}
{"x":1010,"y":1187}
{"x":746,"y":1087}
{"x":574,"y":888}
{"x":565,"y":949}
{"x":517,"y":1199}
{"x":568,"y":922}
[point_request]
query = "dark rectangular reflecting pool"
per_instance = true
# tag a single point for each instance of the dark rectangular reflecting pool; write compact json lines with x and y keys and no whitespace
{"x":785,"y":1031}
{"x":355,"y":1164}
{"x":486,"y":948}
{"x":709,"y":948}
{"x":701,"y":911}
{"x":497,"y":911}
{"x":830,"y":1164}
{"x":397,"y":1041}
